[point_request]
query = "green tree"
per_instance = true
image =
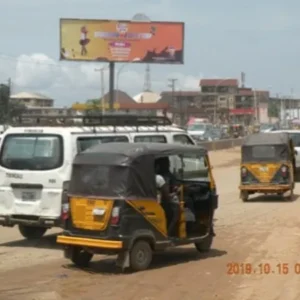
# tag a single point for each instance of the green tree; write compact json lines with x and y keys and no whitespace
{"x":273,"y":110}
{"x":9,"y":109}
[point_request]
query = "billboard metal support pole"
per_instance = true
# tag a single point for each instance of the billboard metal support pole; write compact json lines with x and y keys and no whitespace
{"x":111,"y":85}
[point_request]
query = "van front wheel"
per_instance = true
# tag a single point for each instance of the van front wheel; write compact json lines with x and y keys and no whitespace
{"x":32,"y":232}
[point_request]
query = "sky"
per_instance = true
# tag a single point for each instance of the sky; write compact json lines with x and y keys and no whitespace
{"x":222,"y":39}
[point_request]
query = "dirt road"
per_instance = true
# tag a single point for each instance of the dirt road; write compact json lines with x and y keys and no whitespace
{"x":261,"y":237}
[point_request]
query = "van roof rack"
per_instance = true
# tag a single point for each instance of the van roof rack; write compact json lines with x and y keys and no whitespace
{"x":106,"y":119}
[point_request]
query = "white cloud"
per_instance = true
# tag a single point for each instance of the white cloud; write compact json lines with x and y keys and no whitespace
{"x":74,"y":81}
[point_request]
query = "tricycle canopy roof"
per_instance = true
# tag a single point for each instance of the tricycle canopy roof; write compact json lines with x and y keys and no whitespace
{"x":267,"y":138}
{"x":122,"y":170}
{"x":123,"y":154}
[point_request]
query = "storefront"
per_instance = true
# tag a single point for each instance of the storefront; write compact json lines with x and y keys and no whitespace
{"x":242,"y":115}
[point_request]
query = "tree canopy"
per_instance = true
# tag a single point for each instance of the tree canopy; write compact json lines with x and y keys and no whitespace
{"x":273,"y":110}
{"x":9,"y":109}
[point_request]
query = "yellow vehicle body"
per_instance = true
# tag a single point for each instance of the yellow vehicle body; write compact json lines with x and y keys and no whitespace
{"x":92,"y":225}
{"x":268,"y":165}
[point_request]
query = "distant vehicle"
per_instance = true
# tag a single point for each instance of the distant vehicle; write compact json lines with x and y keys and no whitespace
{"x":268,"y":127}
{"x":198,"y":130}
{"x":213,"y":135}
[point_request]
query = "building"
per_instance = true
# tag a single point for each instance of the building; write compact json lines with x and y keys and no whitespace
{"x":285,"y":108}
{"x":32,"y":100}
{"x":220,"y":100}
{"x":181,"y":105}
{"x":218,"y":97}
{"x":124,"y":103}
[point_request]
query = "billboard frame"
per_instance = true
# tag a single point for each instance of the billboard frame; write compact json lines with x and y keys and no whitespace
{"x":125,"y":21}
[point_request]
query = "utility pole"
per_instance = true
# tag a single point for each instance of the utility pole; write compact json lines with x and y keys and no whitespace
{"x":172,"y":85}
{"x":101,"y":70}
{"x":8,"y":101}
{"x":255,"y":106}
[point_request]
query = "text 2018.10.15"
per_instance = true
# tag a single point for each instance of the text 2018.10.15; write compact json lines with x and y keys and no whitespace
{"x":262,"y":268}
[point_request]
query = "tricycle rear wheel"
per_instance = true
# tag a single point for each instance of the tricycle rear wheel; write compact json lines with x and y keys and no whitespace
{"x":140,"y":256}
{"x":244,"y":195}
{"x":80,"y":257}
{"x":205,"y":245}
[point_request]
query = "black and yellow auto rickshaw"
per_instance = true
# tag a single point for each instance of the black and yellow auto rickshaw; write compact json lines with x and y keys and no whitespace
{"x":268,"y":165}
{"x":112,"y":205}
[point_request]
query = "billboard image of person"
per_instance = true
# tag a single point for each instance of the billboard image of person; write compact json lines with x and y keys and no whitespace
{"x":83,"y":40}
{"x":122,"y":41}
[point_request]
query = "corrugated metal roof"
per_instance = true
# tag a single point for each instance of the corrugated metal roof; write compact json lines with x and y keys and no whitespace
{"x":26,"y":95}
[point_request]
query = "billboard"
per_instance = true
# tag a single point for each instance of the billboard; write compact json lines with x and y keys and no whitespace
{"x":121,"y":41}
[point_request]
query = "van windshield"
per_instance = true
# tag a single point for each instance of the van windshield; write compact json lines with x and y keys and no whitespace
{"x":32,"y":152}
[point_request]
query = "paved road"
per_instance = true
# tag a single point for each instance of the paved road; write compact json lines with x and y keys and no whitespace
{"x":262,"y":237}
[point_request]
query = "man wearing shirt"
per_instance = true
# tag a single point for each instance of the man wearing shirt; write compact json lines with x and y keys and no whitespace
{"x":162,"y":188}
{"x":170,"y":207}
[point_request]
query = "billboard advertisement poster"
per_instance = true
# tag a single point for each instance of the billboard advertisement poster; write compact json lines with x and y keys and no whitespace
{"x":121,"y":41}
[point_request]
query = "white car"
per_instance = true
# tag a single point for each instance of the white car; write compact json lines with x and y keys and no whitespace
{"x":197,"y":130}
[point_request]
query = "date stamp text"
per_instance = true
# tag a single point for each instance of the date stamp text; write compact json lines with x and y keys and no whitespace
{"x":235,"y":268}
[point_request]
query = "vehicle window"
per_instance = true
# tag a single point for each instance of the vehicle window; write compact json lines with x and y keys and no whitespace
{"x":182,"y":139}
{"x":189,"y":166}
{"x":296,"y":139}
{"x":263,"y":151}
{"x":194,"y":127}
{"x":32,"y":152}
{"x":84,"y":143}
{"x":150,"y":139}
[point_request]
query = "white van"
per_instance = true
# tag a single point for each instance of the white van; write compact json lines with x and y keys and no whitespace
{"x":35,"y":166}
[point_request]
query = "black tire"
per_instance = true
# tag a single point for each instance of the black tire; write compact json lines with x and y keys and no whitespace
{"x":291,"y":196}
{"x":80,"y":257}
{"x":205,"y":245}
{"x":32,"y":232}
{"x":140,"y":256}
{"x":244,"y":195}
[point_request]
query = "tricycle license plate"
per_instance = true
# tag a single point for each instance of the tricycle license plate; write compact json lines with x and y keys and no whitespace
{"x":28,"y":196}
{"x":264,"y":169}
